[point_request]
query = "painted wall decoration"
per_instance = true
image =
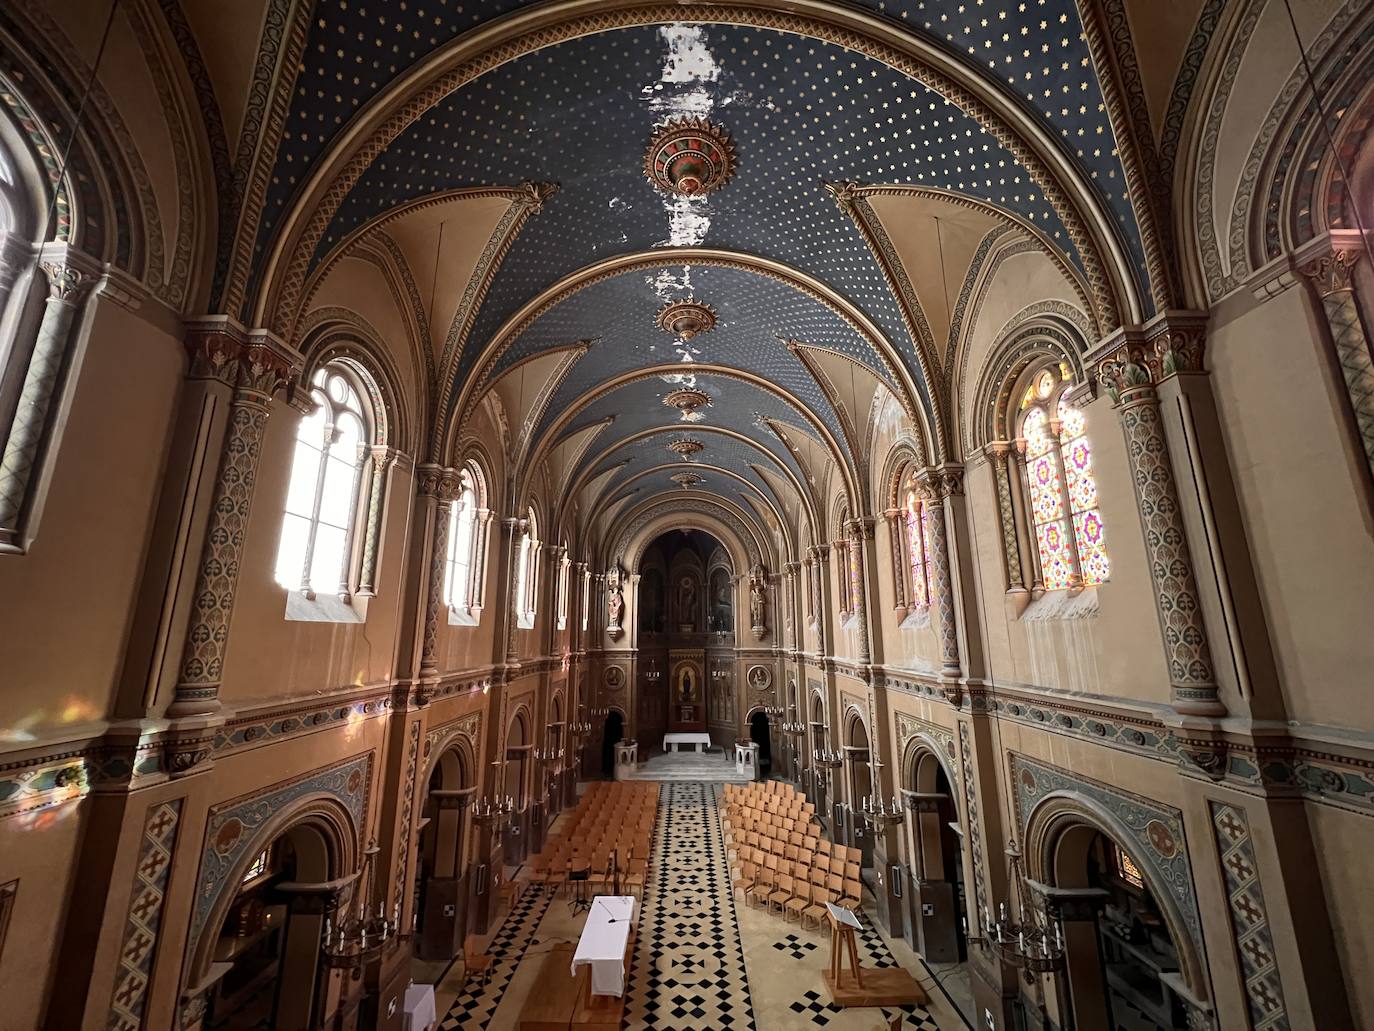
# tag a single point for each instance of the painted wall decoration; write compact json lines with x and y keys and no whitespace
{"x":614,"y":677}
{"x":1154,"y":832}
{"x":1254,"y":939}
{"x":232,"y":826}
{"x":144,"y":920}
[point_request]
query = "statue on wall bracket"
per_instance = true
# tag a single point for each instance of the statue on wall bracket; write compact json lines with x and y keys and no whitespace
{"x":615,"y":601}
{"x":758,"y":601}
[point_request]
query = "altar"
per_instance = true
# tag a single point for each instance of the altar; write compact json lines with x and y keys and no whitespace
{"x":605,"y":940}
{"x":684,"y":737}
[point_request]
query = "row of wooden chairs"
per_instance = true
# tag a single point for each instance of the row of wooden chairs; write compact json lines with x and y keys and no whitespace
{"x":798,"y":896}
{"x":612,"y":818}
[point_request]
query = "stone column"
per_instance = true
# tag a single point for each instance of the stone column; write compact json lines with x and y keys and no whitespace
{"x":439,"y":488}
{"x":999,"y":461}
{"x":257,"y":371}
{"x":1331,"y":279}
{"x":862,"y":581}
{"x":901,"y":605}
{"x":382,"y":459}
{"x":1129,"y":369}
{"x":931,"y":487}
{"x":70,"y":277}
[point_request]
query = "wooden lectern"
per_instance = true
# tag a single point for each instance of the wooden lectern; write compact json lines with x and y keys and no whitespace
{"x":880,"y":987}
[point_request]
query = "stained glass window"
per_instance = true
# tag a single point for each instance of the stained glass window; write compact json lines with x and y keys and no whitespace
{"x":917,"y":551}
{"x":258,"y":867}
{"x":1126,"y":868}
{"x":1087,"y":518}
{"x":1047,"y":502}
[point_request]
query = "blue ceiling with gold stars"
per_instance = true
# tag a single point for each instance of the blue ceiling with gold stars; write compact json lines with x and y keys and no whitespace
{"x":800,"y":113}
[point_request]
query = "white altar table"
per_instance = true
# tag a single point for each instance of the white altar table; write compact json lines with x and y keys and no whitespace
{"x":702,"y":741}
{"x":604,"y":940}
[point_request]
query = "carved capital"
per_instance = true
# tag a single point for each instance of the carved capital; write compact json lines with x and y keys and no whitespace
{"x":1332,"y":272}
{"x":67,"y":284}
{"x":949,"y":479}
{"x":846,"y":193}
{"x":1207,"y":755}
{"x":435,"y":481}
{"x":1137,"y":357}
{"x":185,"y":752}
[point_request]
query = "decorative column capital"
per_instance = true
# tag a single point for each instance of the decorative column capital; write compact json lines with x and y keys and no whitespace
{"x":860,"y":529}
{"x":255,"y":362}
{"x":531,"y":196}
{"x":998,"y":450}
{"x":1332,"y":272}
{"x":554,"y":553}
{"x":436,"y":481}
{"x":69,"y":279}
{"x":1138,"y":357}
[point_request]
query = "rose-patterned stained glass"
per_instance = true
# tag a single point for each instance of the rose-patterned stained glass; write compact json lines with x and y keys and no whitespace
{"x":1087,"y":518}
{"x":916,"y":551}
{"x":1047,"y":502}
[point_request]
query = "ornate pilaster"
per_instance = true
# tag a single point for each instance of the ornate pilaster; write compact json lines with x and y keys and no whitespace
{"x":900,"y":605}
{"x":999,"y":460}
{"x":257,"y":368}
{"x":383,"y":458}
{"x":443,"y":487}
{"x":933,"y":486}
{"x":70,"y":277}
{"x":1129,"y":370}
{"x":516,"y":529}
{"x":1331,"y":278}
{"x":860,"y":533}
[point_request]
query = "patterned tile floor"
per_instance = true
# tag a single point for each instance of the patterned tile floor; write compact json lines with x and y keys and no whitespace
{"x":700,"y":962}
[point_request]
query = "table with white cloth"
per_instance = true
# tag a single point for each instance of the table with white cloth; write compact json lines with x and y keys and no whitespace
{"x":604,"y":942}
{"x":681,"y":737}
{"x":419,"y":1008}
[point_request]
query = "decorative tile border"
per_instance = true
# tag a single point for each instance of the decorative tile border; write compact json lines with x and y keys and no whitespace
{"x":1156,"y":838}
{"x":230,"y":828}
{"x":974,"y":829}
{"x":144,"y":920}
{"x":1250,"y":929}
{"x":403,"y":843}
{"x":909,"y":726}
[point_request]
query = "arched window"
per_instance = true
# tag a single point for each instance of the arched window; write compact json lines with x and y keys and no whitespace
{"x":586,"y":598}
{"x":527,"y":573}
{"x":915,"y":553}
{"x":325,"y":493}
{"x":467,"y":540}
{"x":564,"y":564}
{"x":1063,"y":492}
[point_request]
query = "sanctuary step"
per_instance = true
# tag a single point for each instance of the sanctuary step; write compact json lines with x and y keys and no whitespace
{"x":711,"y":767}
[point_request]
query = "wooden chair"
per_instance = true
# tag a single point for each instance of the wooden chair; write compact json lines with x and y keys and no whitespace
{"x":852,"y":895}
{"x":779,"y":899}
{"x":475,"y":963}
{"x":821,"y":862}
{"x":815,"y":913}
{"x":791,"y":852}
{"x":851,"y":871}
{"x":797,"y":904}
{"x":765,"y":883}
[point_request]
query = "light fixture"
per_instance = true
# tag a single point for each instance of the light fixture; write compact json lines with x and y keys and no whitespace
{"x":1025,"y":937}
{"x":361,"y":931}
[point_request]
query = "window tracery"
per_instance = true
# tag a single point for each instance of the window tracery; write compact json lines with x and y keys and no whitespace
{"x":1066,"y":521}
{"x":327,"y":488}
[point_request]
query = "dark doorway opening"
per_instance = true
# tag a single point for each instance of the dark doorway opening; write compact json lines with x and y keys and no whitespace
{"x":611,"y":733}
{"x":758,"y":733}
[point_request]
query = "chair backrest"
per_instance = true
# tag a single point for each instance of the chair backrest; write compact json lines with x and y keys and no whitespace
{"x":785,"y":882}
{"x":835,"y":883}
{"x":822,"y":862}
{"x":851,"y":871}
{"x":771,"y":862}
{"x":791,"y":852}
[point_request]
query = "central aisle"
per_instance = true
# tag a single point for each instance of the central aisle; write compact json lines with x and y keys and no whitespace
{"x":699,"y":961}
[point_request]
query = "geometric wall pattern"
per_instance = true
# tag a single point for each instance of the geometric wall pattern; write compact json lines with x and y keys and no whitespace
{"x":1249,"y":919}
{"x":151,"y":873}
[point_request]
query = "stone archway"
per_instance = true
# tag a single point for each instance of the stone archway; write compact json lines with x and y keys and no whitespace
{"x":443,"y":876}
{"x":935,"y":905}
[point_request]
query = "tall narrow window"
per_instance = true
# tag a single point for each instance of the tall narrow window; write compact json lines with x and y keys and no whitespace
{"x":563,"y":566}
{"x":1078,"y":472}
{"x":917,"y":552}
{"x":527,"y":573}
{"x":586,"y":599}
{"x":461,"y":565}
{"x":1068,"y":529}
{"x":324,"y":494}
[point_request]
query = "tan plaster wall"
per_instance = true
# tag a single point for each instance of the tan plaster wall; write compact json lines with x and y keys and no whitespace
{"x":41,"y":851}
{"x":1313,"y":554}
{"x":87,"y":559}
{"x":1343,"y":843}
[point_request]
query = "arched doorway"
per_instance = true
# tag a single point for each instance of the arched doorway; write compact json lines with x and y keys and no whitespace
{"x":937,"y":904}
{"x":270,"y":937}
{"x":441,"y":882}
{"x":1118,"y":947}
{"x":759,"y":733}
{"x":860,"y":785}
{"x":515,"y":835}
{"x":611,"y":733}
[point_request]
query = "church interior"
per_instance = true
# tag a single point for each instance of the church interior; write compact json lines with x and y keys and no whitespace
{"x":610,"y":514}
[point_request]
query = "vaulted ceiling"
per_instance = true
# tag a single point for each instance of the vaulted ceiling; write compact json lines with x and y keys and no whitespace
{"x":492,"y":156}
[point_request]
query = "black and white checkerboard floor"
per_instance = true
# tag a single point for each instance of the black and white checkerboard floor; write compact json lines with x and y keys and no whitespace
{"x":698,"y":962}
{"x":475,"y":1007}
{"x":688,"y":970}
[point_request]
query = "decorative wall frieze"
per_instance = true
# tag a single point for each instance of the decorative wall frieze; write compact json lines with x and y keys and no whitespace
{"x":231,"y":828}
{"x":143,"y":922}
{"x":1249,"y":916}
{"x":910,"y":727}
{"x":400,"y":882}
{"x":264,"y":726}
{"x":469,"y":725}
{"x":973,"y":827}
{"x":1153,"y":832}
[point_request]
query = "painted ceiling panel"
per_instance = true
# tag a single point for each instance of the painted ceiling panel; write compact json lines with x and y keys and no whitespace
{"x":800,"y":113}
{"x":735,"y":406}
{"x":720,"y":450}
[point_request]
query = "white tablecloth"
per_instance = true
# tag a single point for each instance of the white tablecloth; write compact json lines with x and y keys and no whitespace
{"x":419,"y":1012}
{"x":603,"y":942}
{"x":702,"y":741}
